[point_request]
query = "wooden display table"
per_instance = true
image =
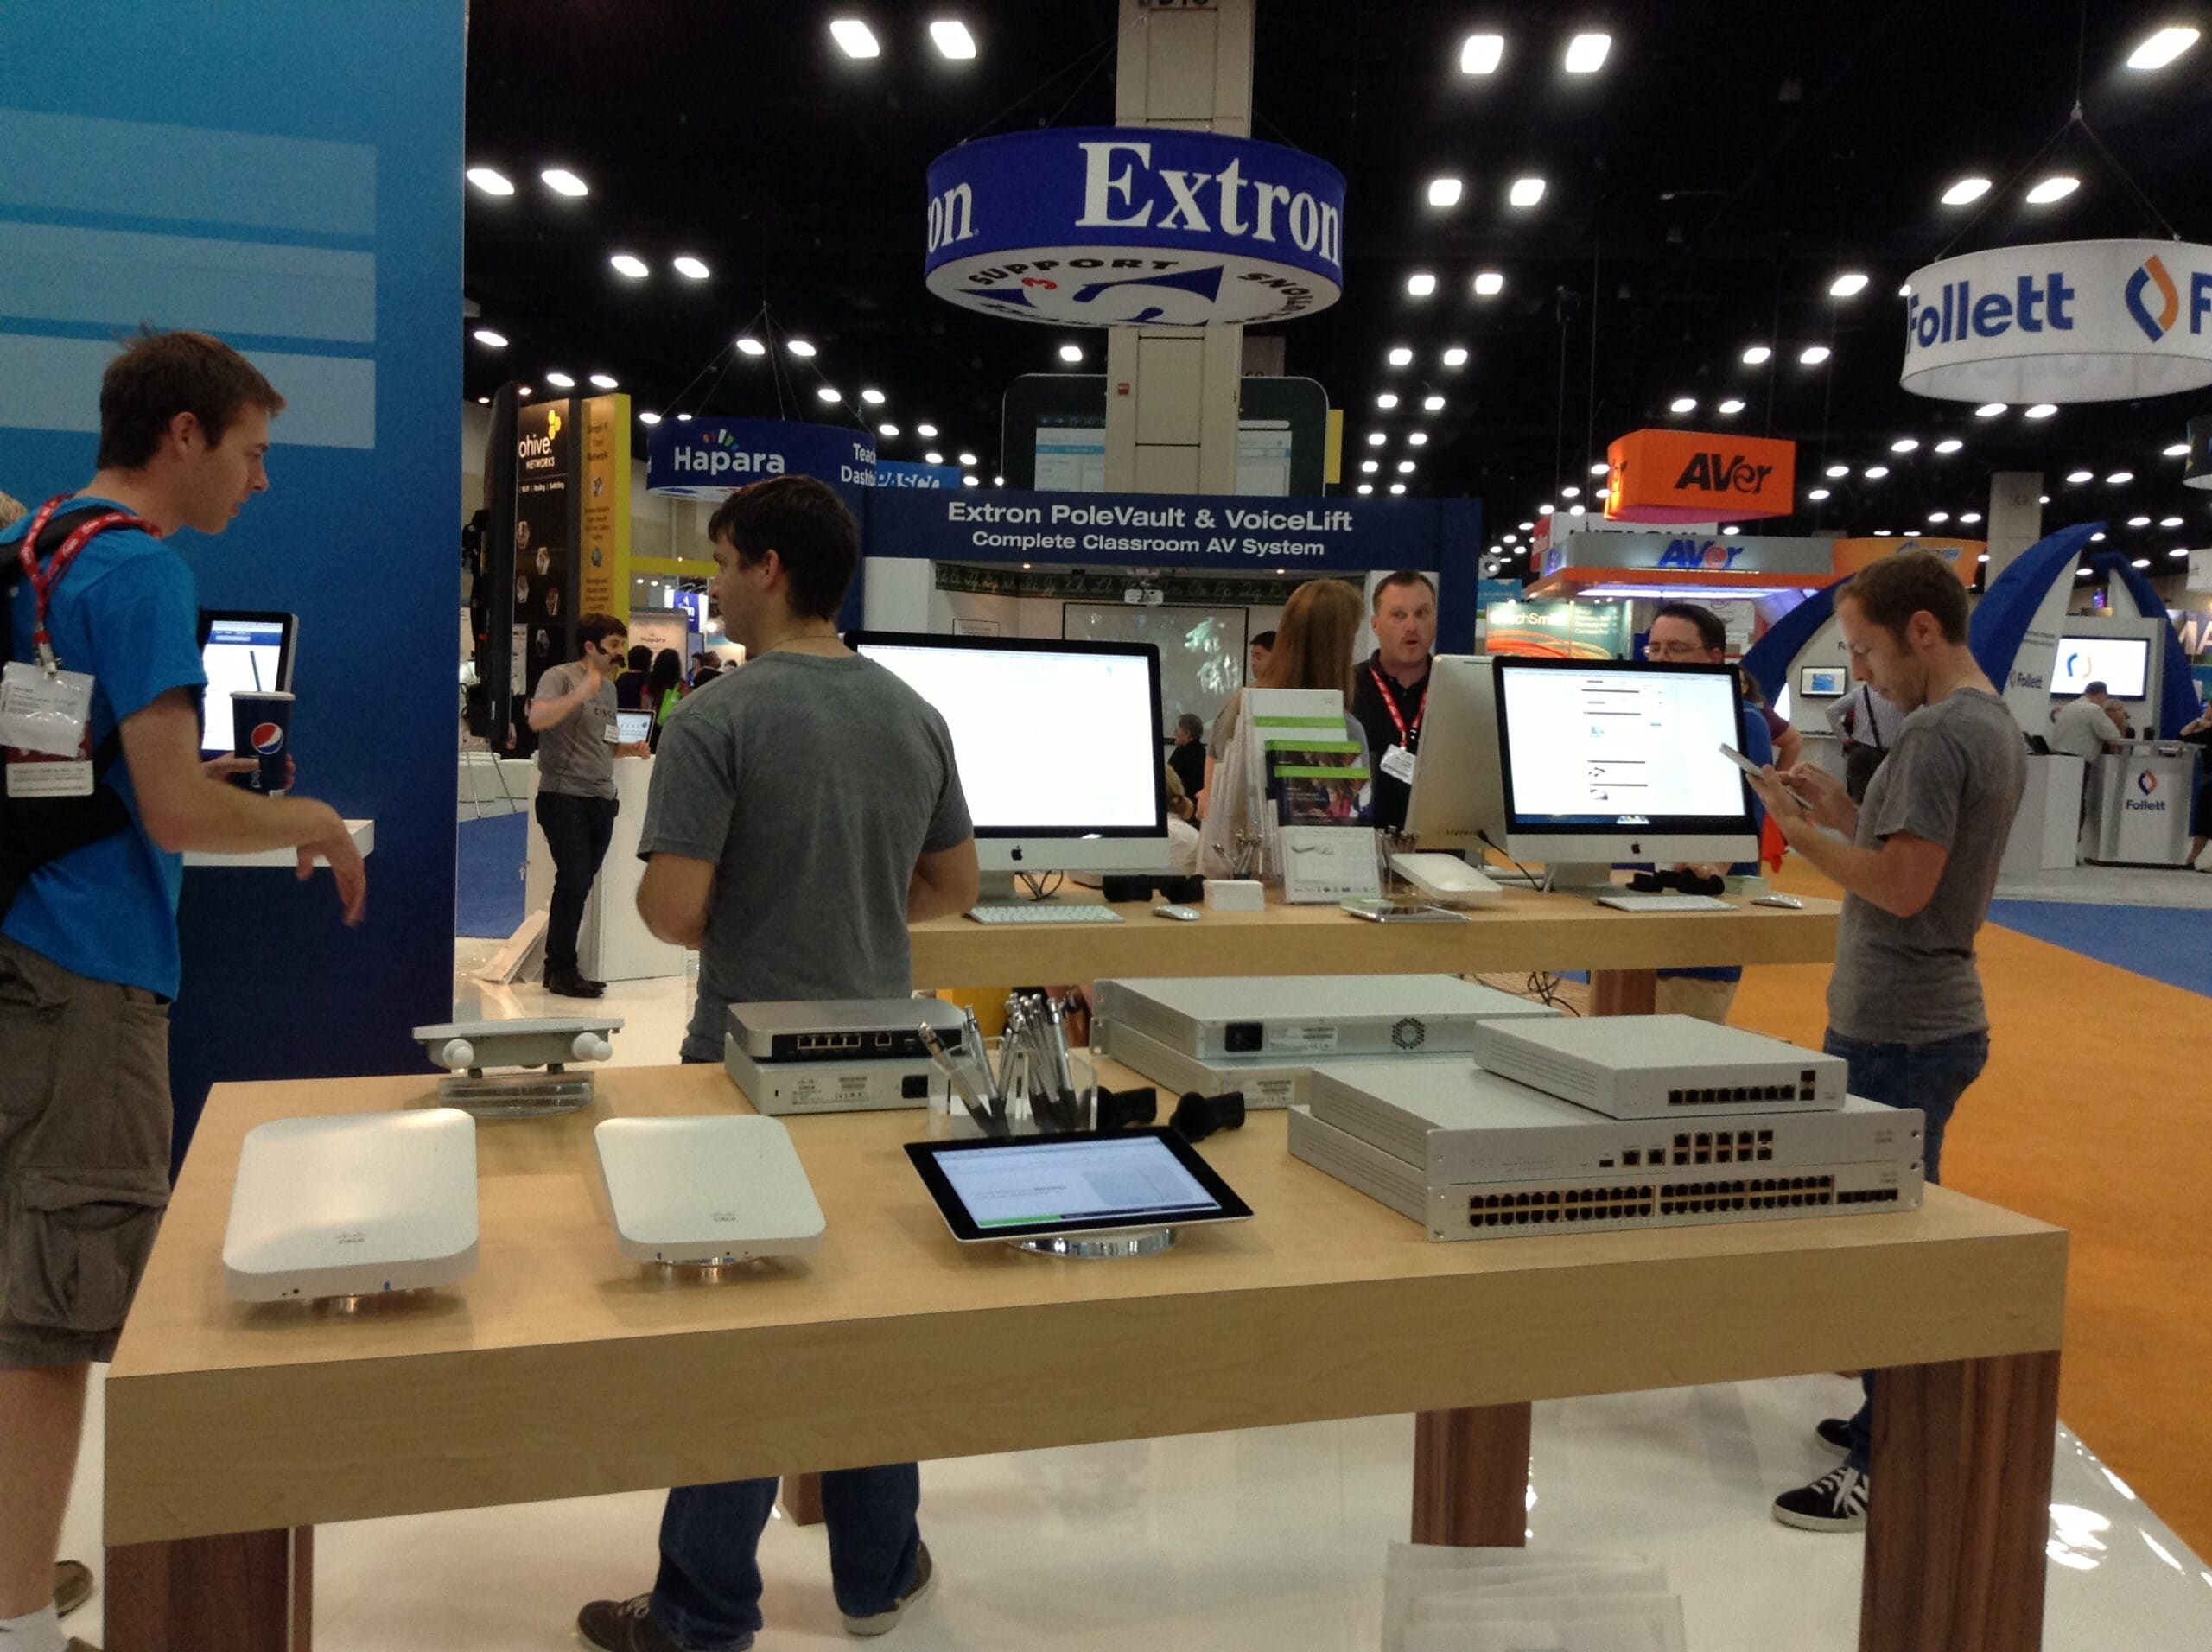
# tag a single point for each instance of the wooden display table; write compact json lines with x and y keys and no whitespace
{"x":563,"y":1369}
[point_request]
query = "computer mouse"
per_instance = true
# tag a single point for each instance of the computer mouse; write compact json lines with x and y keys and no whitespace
{"x":1790,"y":901}
{"x":1186,"y":914}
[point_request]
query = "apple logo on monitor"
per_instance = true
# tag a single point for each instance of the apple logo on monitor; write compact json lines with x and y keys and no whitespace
{"x":1015,"y":853}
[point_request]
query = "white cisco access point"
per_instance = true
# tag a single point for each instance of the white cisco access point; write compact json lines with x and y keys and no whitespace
{"x":1309,"y":1017}
{"x":706,"y":1193}
{"x":1661,"y":1066}
{"x":353,"y":1205}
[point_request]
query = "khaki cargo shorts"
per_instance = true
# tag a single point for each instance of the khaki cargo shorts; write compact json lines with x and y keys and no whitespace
{"x":84,"y":1156}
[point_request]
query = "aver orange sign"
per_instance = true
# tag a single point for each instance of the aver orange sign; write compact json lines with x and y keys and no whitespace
{"x":1698,"y":476}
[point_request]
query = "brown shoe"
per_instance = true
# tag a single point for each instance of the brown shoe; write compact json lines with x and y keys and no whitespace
{"x":72,"y":1586}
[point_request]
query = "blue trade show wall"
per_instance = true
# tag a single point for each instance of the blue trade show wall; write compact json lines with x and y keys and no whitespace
{"x":290,"y":178}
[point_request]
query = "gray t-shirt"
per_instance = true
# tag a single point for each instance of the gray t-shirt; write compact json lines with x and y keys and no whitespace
{"x":1955,"y":778}
{"x":575,"y":756}
{"x":813,"y":785}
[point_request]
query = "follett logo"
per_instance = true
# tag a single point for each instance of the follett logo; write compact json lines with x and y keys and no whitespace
{"x":2152,"y":274}
{"x":268,"y":739}
{"x":2146,"y":783}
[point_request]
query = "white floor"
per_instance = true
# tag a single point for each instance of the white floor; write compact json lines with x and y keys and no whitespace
{"x":1266,"y":1539}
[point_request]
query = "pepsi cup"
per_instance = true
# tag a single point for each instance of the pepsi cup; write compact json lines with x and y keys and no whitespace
{"x":261,"y":725}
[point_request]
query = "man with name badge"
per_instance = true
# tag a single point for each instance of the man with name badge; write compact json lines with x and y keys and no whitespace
{"x":802,"y":813}
{"x":1917,"y":861}
{"x":92,"y":863}
{"x":1391,"y":691}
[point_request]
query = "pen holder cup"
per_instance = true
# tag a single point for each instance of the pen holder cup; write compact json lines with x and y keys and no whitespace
{"x":949,"y":1116}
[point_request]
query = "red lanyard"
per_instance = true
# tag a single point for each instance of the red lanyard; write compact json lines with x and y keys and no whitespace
{"x":1406,"y":736}
{"x":43,"y":582}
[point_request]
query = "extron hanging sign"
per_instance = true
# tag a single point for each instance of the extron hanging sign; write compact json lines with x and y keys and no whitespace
{"x":1134,"y":226}
{"x":2063,"y":321}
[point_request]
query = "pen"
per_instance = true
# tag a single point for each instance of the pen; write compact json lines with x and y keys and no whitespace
{"x":942,"y":1058}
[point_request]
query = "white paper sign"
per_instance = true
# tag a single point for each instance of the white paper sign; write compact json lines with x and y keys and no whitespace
{"x":2200,"y":570}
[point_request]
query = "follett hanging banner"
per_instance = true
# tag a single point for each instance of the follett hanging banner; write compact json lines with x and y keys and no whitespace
{"x":2063,"y":321}
{"x":1134,"y":226}
{"x":1673,"y":476}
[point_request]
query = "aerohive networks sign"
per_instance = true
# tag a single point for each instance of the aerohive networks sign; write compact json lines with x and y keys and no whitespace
{"x":1134,"y":226}
{"x":704,"y":459}
{"x":2063,"y":321}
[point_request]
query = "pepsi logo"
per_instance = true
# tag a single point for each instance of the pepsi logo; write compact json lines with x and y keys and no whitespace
{"x":268,"y":739}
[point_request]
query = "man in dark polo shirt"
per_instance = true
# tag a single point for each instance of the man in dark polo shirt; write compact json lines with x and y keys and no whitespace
{"x":1391,"y":689}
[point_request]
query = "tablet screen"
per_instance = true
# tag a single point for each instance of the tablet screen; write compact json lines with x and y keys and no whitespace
{"x":633,"y":727}
{"x":993,"y":1189}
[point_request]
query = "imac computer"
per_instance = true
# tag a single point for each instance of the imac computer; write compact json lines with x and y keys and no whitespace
{"x":1057,"y":743}
{"x":1581,"y":765}
{"x":241,"y":653}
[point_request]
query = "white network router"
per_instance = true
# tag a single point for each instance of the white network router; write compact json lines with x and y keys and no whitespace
{"x":353,"y":1205}
{"x":705,"y":1192}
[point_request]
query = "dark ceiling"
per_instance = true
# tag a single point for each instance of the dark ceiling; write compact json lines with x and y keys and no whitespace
{"x":1703,"y":190}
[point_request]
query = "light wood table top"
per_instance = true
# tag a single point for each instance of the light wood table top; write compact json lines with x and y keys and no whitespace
{"x":562,"y":1368}
{"x":1527,"y":931}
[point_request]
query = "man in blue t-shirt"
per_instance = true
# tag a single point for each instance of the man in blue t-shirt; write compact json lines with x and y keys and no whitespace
{"x":88,"y":947}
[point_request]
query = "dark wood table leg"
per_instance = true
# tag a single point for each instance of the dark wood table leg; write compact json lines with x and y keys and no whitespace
{"x":249,"y":1591}
{"x":803,"y":1499}
{"x":1471,"y":1477}
{"x":1623,"y":992}
{"x":1958,"y":1512}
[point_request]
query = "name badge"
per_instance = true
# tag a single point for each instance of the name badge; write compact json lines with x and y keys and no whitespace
{"x":1398,"y":763}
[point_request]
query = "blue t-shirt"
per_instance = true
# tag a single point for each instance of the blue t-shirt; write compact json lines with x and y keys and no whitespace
{"x":127,"y":611}
{"x":1758,"y":746}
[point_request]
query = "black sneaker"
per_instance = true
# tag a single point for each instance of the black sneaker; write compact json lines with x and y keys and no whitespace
{"x":566,"y":983}
{"x":1834,"y":1433}
{"x":883,"y":1623}
{"x":1835,"y":1503}
{"x":628,"y":1626}
{"x":72,"y":1586}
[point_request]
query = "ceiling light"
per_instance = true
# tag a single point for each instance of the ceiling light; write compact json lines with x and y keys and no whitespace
{"x":690,"y":267}
{"x":561,"y":380}
{"x":2140,"y":562}
{"x":2119,"y":479}
{"x":953,"y":39}
{"x":2040,"y":410}
{"x":1578,"y":510}
{"x":1875,"y":472}
{"x":1818,"y":494}
{"x":1527,"y":527}
{"x":1445,"y":192}
{"x":649,"y":418}
{"x":1418,"y":439}
{"x":1400,"y":357}
{"x":873,"y":398}
{"x":1847,"y":286}
{"x":1904,"y":444}
{"x":525,"y":390}
{"x":1525,"y":192}
{"x":684,"y":418}
{"x":999,"y":481}
{"x":1601,"y":468}
{"x":1420,"y":285}
{"x":1905,"y":290}
{"x":1405,"y":468}
{"x":2057,"y":186}
{"x":968,"y":459}
{"x":887,"y":429}
{"x":1548,"y":510}
{"x":2138,"y":522}
{"x":605,"y":381}
{"x":2081,"y":572}
{"x":2177,"y":450}
{"x":1397,"y":487}
{"x":2163,"y":48}
{"x":1756,"y":354}
{"x":1586,"y":54}
{"x":1570,"y":492}
{"x":1939,"y":516}
{"x":1070,"y":352}
{"x":1682,"y":404}
{"x":1989,"y":410}
{"x":2169,"y":522}
{"x":2077,"y":477}
{"x":857,"y":39}
{"x":564,"y":182}
{"x":799,"y":347}
{"x":925,"y":431}
{"x":1375,"y":438}
{"x":491,"y":341}
{"x":1367,"y":488}
{"x":1881,"y":533}
{"x":1489,"y":283}
{"x":752,"y":346}
{"x":1839,"y":470}
{"x":1971,"y":516}
{"x":1456,"y":356}
{"x":1387,"y":400}
{"x":1813,"y":354}
{"x":2178,"y":550}
{"x":483,"y":401}
{"x":1966,"y":190}
{"x":1949,"y":444}
{"x":2096,"y":538}
{"x":490,"y":181}
{"x":933,"y":457}
{"x":1369,"y":467}
{"x":630,"y":264}
{"x":1431,"y":404}
{"x":1481,"y":54}
{"x":971,"y":481}
{"x":2042,"y":499}
{"x":826,"y":393}
{"x":1732,"y":405}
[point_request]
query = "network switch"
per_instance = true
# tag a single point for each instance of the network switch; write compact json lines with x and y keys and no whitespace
{"x":1654,"y":1067}
{"x":1298,"y":1018}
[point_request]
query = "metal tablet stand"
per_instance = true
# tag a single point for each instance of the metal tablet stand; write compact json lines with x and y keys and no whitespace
{"x":1102,"y":1247}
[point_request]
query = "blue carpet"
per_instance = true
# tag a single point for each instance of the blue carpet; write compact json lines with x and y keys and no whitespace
{"x":2168,"y":944}
{"x":487,"y":897}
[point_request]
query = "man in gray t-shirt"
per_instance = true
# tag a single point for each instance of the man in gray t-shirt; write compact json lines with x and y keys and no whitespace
{"x":573,"y":715}
{"x":1917,"y":861}
{"x":804,"y":809}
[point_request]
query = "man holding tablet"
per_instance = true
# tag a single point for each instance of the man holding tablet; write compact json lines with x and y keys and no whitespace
{"x":802,"y":812}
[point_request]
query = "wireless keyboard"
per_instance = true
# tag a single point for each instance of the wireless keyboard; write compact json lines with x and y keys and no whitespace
{"x":1631,"y":902}
{"x":1039,"y":911}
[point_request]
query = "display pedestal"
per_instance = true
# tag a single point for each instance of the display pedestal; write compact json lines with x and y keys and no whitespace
{"x":2140,"y":818}
{"x":2047,"y":828}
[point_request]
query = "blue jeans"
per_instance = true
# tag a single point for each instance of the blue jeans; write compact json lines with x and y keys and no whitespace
{"x":708,"y":1594}
{"x":1930,"y":1077}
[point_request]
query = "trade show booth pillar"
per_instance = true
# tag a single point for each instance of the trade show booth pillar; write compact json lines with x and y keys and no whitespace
{"x":2015,"y":517}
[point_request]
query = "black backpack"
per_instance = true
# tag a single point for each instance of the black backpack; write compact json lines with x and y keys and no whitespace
{"x":36,"y":830}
